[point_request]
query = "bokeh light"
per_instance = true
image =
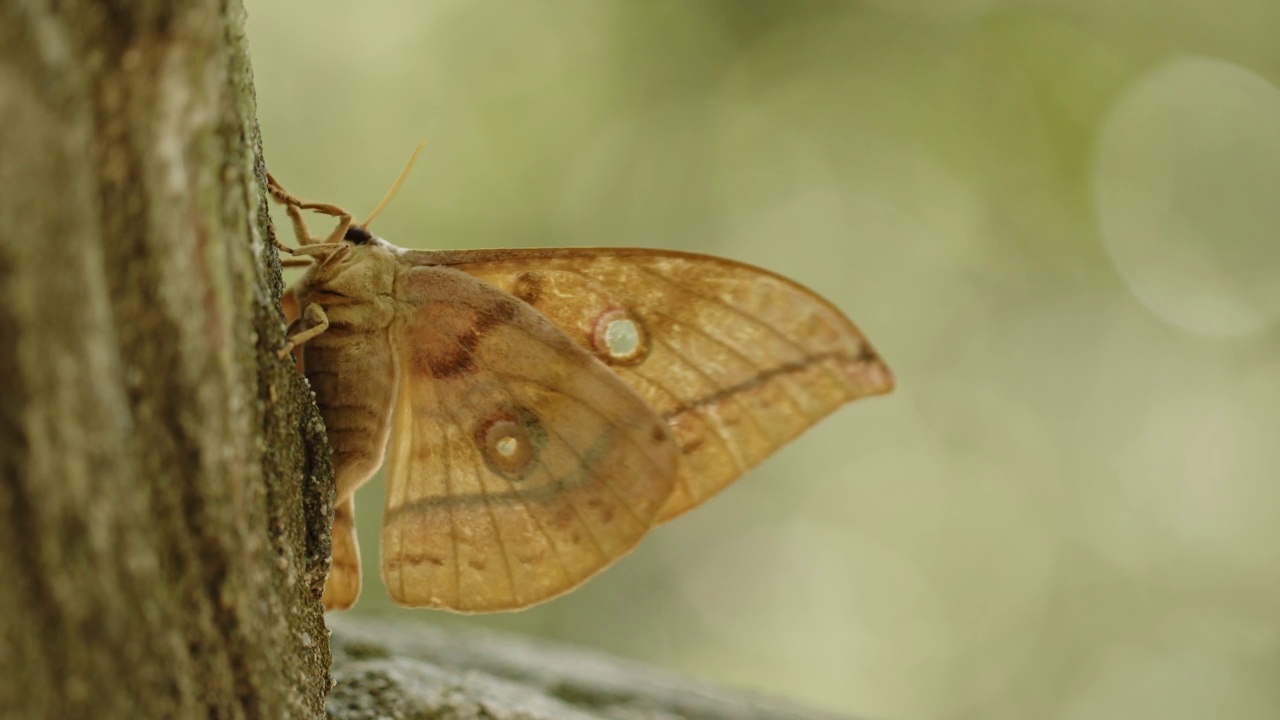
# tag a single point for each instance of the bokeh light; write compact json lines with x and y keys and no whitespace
{"x":1186,"y":184}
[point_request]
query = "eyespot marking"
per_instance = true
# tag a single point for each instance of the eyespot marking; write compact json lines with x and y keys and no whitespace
{"x":528,"y":287}
{"x":510,"y":442}
{"x":620,"y":338}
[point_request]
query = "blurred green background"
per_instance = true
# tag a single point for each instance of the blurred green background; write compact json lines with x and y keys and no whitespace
{"x":1060,"y":223}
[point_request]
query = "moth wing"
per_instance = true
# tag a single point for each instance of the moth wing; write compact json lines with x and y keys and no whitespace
{"x":519,"y":465}
{"x":342,"y":586}
{"x":737,"y":359}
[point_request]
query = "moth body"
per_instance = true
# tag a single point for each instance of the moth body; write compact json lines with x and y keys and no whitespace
{"x":351,"y":366}
{"x":353,"y":372}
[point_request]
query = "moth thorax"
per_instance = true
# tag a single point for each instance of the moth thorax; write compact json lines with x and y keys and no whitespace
{"x":619,"y":338}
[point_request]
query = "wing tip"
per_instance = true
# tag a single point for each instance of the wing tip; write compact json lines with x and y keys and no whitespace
{"x":876,"y":377}
{"x":870,"y":374}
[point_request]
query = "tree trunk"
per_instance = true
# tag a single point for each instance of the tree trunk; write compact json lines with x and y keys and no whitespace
{"x":164,"y":481}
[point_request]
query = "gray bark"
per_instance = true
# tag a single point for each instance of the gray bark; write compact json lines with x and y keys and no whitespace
{"x":164,"y":482}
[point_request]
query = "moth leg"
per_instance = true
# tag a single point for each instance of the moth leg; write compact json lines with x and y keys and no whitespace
{"x":344,"y":219}
{"x":336,"y":256}
{"x":342,"y":587}
{"x":278,"y":193}
{"x":294,"y":207}
{"x":303,"y":233}
{"x":325,"y":253}
{"x":300,"y":231}
{"x":313,"y":322}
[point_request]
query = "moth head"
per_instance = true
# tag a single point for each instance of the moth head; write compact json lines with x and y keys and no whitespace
{"x":364,"y":244}
{"x":363,"y":267}
{"x":366,"y":263}
{"x":357,"y":235}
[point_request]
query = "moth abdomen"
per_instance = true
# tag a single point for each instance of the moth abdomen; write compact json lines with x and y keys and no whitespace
{"x":354,"y":377}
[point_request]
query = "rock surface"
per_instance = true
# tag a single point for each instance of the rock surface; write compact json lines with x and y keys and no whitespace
{"x":399,"y":670}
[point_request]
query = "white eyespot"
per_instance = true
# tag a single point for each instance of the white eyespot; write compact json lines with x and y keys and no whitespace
{"x":619,"y":338}
{"x":507,"y":446}
{"x":510,"y":442}
{"x":622,"y":337}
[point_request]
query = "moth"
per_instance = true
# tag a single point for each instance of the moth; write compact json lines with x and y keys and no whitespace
{"x":540,"y":410}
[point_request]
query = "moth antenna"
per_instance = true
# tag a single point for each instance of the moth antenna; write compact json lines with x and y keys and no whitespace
{"x":395,"y":187}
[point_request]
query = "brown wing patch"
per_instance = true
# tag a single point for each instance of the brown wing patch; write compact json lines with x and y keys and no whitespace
{"x":465,"y":326}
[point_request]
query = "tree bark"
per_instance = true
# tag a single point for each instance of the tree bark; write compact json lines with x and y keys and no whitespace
{"x":165,"y":486}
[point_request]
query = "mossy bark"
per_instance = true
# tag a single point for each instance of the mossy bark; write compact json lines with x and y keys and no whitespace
{"x":164,"y":482}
